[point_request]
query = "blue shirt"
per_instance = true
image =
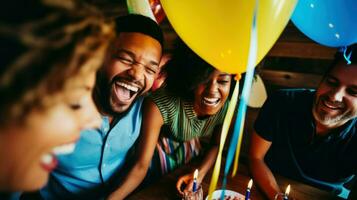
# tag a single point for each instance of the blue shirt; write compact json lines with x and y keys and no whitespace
{"x":98,"y":157}
{"x":286,"y":120}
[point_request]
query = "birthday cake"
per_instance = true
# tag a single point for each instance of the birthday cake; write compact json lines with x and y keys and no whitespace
{"x":228,"y":195}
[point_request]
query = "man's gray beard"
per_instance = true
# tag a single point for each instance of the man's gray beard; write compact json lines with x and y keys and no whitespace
{"x":324,"y":119}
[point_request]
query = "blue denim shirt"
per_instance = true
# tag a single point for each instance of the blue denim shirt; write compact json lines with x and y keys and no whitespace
{"x":99,"y":155}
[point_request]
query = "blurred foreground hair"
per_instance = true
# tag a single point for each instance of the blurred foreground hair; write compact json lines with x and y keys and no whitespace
{"x":45,"y":45}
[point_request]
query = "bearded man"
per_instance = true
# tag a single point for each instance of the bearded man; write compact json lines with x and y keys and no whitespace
{"x":310,"y":135}
{"x":92,"y":171}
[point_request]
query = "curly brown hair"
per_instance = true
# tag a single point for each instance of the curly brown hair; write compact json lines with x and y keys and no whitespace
{"x":45,"y":45}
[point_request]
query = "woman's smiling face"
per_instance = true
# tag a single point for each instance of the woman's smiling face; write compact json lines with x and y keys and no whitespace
{"x":210,"y":96}
{"x":29,"y":149}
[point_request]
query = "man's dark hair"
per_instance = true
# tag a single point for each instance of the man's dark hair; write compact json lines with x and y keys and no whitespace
{"x":132,"y":23}
{"x":185,"y":71}
{"x":139,"y":24}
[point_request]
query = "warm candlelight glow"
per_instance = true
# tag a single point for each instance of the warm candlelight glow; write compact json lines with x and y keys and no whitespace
{"x":250,"y":183}
{"x":287,"y":191}
{"x":195,"y":174}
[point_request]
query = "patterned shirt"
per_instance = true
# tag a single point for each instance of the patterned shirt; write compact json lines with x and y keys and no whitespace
{"x":181,"y":120}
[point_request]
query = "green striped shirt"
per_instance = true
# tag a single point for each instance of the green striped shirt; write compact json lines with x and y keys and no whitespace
{"x":181,"y":121}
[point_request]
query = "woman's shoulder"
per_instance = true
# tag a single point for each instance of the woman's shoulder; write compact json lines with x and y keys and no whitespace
{"x":162,"y":95}
{"x":167,"y":103}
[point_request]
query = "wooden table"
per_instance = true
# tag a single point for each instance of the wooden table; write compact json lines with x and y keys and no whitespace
{"x":165,"y":188}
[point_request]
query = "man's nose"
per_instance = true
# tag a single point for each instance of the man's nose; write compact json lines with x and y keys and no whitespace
{"x":137,"y":71}
{"x":337,"y":94}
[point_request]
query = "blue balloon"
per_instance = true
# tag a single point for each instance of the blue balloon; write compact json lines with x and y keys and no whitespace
{"x":329,"y":22}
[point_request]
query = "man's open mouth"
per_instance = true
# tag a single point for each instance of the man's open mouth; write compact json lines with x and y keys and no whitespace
{"x":125,"y":92}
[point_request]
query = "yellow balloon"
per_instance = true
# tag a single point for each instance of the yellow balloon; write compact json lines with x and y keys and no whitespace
{"x":219,"y":31}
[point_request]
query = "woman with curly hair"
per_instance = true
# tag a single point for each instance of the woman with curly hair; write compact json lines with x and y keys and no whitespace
{"x":50,"y":52}
{"x":190,"y":106}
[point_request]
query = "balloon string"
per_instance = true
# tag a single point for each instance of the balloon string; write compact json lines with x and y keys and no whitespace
{"x":347,"y":57}
{"x":235,"y":143}
{"x":224,"y":133}
{"x":224,"y":183}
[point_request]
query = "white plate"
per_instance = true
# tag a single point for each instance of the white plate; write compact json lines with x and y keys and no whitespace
{"x":217,"y":194}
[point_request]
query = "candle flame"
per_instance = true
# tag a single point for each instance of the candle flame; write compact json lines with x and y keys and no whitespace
{"x":195,"y":174}
{"x":287,"y":191}
{"x":250,"y":183}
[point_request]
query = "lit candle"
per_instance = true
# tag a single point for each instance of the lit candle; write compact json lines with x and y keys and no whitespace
{"x":287,"y":191}
{"x":195,"y":174}
{"x":247,"y":192}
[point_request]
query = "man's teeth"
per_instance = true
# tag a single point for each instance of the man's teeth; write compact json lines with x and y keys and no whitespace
{"x":64,"y":149}
{"x":210,"y":101}
{"x":129,"y":87}
{"x":47,"y":159}
{"x":331,"y":105}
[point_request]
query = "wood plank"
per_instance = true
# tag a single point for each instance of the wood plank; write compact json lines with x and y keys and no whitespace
{"x":301,"y":50}
{"x":282,"y":48}
{"x":290,"y":79}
